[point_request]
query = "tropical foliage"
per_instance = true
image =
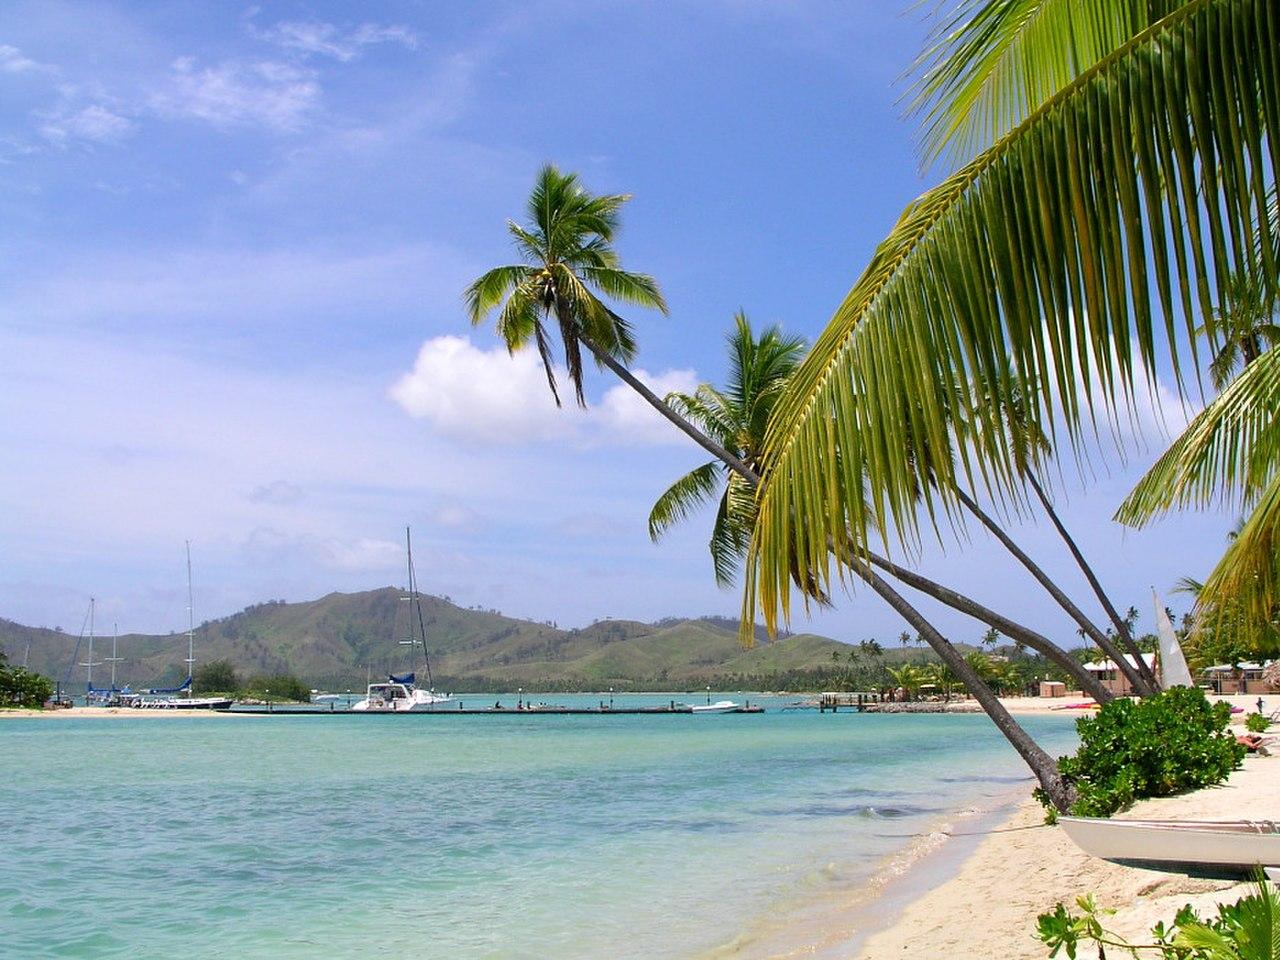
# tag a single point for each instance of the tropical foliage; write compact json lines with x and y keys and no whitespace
{"x":1249,"y":929}
{"x":736,"y":416}
{"x":567,"y":264}
{"x":1084,"y":245}
{"x":20,"y":687}
{"x":1154,"y":747}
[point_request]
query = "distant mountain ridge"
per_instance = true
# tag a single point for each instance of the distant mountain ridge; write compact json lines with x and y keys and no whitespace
{"x":331,"y":642}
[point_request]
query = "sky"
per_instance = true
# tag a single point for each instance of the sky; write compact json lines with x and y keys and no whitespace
{"x":233,"y":241}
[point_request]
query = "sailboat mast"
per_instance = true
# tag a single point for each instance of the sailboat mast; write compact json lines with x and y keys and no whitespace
{"x":113,"y":659}
{"x":191,"y":620}
{"x":90,"y":663}
{"x":417,"y":605}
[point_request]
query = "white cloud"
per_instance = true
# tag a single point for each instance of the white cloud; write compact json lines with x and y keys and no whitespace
{"x":266,"y":546}
{"x":277,"y":493}
{"x":489,"y":397}
{"x":277,"y":96}
{"x":94,"y":122}
{"x":316,"y":38}
{"x":13,"y":60}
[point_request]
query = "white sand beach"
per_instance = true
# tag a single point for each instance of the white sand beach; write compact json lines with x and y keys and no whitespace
{"x":988,"y":908}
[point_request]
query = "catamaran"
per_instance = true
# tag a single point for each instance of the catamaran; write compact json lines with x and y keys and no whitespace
{"x":400,"y":692}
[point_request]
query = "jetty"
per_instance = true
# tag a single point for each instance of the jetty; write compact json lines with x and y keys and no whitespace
{"x":460,"y":710}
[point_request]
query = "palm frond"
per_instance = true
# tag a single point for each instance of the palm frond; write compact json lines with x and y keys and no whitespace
{"x":989,"y":64}
{"x":487,"y":291}
{"x":1143,"y":176}
{"x":626,"y":287}
{"x":691,"y":491}
{"x":1226,"y":455}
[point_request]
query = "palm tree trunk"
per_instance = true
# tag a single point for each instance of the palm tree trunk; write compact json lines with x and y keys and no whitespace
{"x":1137,"y":680}
{"x":1010,"y":628}
{"x":1122,"y":628}
{"x":1060,"y":793}
{"x":693,"y":433}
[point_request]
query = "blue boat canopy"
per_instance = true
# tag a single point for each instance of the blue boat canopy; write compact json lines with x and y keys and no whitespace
{"x":178,"y":689}
{"x":403,"y":678}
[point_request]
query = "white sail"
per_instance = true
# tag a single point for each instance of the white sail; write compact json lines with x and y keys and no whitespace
{"x":1173,"y":665}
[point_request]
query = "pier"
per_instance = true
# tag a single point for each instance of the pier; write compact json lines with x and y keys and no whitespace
{"x":461,"y":711}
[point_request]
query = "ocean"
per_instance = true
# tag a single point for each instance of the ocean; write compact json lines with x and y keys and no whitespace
{"x":519,"y":836}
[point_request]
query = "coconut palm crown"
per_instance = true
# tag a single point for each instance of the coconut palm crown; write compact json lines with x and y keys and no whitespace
{"x":737,"y":416}
{"x":568,"y":264}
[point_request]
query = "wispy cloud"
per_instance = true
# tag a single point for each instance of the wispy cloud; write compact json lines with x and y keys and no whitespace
{"x":317,"y":38}
{"x":277,"y":493}
{"x":94,"y":122}
{"x":13,"y":60}
{"x":489,"y":397}
{"x":266,"y":93}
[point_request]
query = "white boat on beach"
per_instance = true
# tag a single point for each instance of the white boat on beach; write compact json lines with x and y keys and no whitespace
{"x":720,"y":706}
{"x":1214,"y":848}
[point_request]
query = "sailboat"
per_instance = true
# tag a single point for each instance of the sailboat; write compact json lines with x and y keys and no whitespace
{"x":187,"y":702}
{"x":400,"y":692}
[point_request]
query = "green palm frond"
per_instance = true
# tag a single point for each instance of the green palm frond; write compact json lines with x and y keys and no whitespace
{"x":697,"y":487}
{"x":1229,"y":455}
{"x":626,"y":287}
{"x":487,"y":291}
{"x":989,"y":64}
{"x":1091,"y":234}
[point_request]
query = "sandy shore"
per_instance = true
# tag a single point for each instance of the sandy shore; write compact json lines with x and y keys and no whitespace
{"x":988,"y":908}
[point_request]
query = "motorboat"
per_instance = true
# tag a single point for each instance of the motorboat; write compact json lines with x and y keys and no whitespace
{"x":399,"y":693}
{"x":1207,"y":848}
{"x":720,"y":706}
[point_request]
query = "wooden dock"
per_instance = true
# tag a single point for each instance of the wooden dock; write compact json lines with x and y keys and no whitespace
{"x":295,"y":711}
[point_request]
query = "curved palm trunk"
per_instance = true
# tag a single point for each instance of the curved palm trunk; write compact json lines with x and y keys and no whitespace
{"x":1122,"y":628}
{"x":1139,"y":682}
{"x":693,"y":433}
{"x":1010,"y":628}
{"x":1058,"y":790}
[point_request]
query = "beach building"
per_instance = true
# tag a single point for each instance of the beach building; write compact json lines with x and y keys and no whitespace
{"x":1227,"y":678}
{"x":1109,"y":675}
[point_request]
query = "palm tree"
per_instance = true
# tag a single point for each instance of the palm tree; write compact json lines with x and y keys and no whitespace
{"x":1120,"y":182}
{"x":568,"y":264}
{"x":736,"y":417}
{"x":1245,"y":324}
{"x":567,"y":249}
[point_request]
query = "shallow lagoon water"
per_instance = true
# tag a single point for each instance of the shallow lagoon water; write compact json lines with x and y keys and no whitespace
{"x":471,"y":837}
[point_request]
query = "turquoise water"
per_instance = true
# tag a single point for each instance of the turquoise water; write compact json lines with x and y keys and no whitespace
{"x":466,"y":837}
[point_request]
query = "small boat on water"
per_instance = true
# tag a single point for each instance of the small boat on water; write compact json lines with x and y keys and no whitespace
{"x":1206,"y":848}
{"x":720,"y":706}
{"x":401,"y":693}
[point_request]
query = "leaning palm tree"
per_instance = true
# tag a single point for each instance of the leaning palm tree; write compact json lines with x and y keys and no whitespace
{"x":736,"y":417}
{"x":568,"y":270}
{"x":1089,"y":234}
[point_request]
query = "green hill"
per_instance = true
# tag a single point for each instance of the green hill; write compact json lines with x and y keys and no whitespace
{"x":331,"y":643}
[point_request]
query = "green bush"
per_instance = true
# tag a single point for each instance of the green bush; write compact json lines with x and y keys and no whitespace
{"x":216,"y":676}
{"x":19,"y":687}
{"x":1249,"y":929}
{"x":1256,"y":723}
{"x":281,"y":686}
{"x":1153,"y":747}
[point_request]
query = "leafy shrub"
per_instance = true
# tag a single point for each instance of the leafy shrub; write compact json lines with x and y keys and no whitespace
{"x":19,"y":687}
{"x":1256,"y":723}
{"x":216,"y":676}
{"x":282,"y":686}
{"x":1153,"y":747}
{"x":1245,"y":930}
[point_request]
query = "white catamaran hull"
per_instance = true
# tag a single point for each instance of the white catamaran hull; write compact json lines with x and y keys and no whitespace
{"x":380,"y":700}
{"x":1201,"y":847}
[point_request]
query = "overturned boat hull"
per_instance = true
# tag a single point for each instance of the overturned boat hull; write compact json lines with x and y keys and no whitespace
{"x":1203,"y":848}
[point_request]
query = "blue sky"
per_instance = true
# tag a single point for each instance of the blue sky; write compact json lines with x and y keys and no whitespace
{"x":233,"y":245}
